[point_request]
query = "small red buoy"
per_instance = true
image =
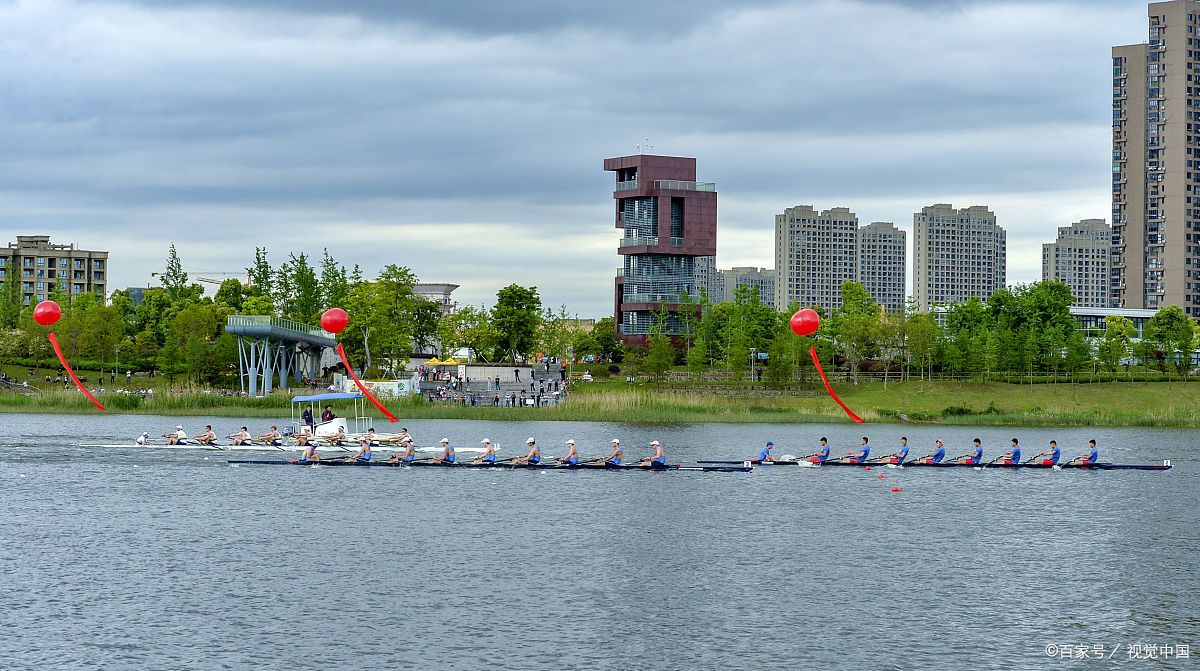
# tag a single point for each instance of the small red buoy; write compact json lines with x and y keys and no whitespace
{"x":897,"y":489}
{"x":882,"y":476}
{"x":868,"y":468}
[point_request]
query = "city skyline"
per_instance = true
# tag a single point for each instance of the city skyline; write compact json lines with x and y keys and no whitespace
{"x":406,"y":135}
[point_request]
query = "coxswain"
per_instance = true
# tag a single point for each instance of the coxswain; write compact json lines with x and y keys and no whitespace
{"x":1050,"y":456}
{"x":974,"y":457}
{"x":489,"y":453}
{"x":1013,"y":455}
{"x":207,"y":436}
{"x":656,"y":460}
{"x":447,"y":455}
{"x":614,"y":459}
{"x":821,"y":455}
{"x":239,"y":437}
{"x":572,"y":457}
{"x":765,"y":454}
{"x":143,"y":439}
{"x":1090,"y":456}
{"x":531,"y":458}
{"x":271,"y":437}
{"x":898,"y":456}
{"x":937,"y":456}
{"x":864,"y":451}
{"x":176,"y":437}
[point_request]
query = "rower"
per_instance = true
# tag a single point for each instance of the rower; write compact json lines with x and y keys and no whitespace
{"x":765,"y":455}
{"x":207,"y":437}
{"x":1090,"y":456}
{"x":534,"y":456}
{"x":407,"y":456}
{"x":937,"y":456}
{"x":821,"y":455}
{"x":899,"y":455}
{"x":271,"y":437}
{"x":1012,"y":456}
{"x":974,"y":457}
{"x":368,"y":439}
{"x":447,"y":455}
{"x":614,"y":459}
{"x":1050,"y":456}
{"x":656,"y":460}
{"x":338,"y":437}
{"x":864,"y":451}
{"x":143,"y":439}
{"x":240,"y":437}
{"x":364,"y":448}
{"x":489,"y":453}
{"x":572,"y":457}
{"x":309,"y":454}
{"x":176,"y":437}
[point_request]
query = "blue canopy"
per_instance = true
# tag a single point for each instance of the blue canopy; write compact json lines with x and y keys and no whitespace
{"x":323,"y":397}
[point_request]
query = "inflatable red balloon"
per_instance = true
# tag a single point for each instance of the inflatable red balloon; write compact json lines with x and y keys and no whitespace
{"x":805,"y":322}
{"x":335,"y":320}
{"x":47,"y":313}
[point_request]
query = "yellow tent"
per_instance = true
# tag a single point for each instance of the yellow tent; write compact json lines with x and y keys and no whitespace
{"x":450,"y":362}
{"x":433,"y":362}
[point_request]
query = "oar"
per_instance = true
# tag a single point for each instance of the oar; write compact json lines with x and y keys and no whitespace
{"x":980,"y":468}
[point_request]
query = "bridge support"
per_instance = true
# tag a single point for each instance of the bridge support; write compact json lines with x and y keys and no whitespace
{"x":267,"y":345}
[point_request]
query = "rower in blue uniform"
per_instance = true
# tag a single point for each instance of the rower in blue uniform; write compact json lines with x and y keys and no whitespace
{"x":974,"y":457}
{"x":1090,"y":457}
{"x":489,"y":453}
{"x":765,"y":455}
{"x":864,"y":451}
{"x":447,"y":456}
{"x":364,"y":450}
{"x":572,"y":457}
{"x":937,"y":456}
{"x":1012,"y":456}
{"x":898,"y":456}
{"x":656,"y":460}
{"x":1050,"y":456}
{"x":533,"y":457}
{"x":614,"y":459}
{"x":821,"y":455}
{"x":310,"y":454}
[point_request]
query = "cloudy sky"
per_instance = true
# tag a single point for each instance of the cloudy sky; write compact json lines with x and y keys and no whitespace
{"x":465,"y":140}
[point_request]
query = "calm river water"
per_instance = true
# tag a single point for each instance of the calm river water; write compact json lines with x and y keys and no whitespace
{"x":154,"y":559}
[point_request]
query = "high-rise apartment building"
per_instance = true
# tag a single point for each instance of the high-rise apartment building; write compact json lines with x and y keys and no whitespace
{"x":761,"y":279}
{"x":957,"y":254}
{"x":882,"y":255}
{"x":42,"y":268}
{"x":814,"y":253}
{"x":1156,"y":174}
{"x":1080,"y":259}
{"x":668,"y":220}
{"x":708,"y":278}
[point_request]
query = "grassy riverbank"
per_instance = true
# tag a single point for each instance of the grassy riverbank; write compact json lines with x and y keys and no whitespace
{"x":1167,"y":404}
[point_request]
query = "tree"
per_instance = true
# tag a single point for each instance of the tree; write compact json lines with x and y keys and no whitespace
{"x":922,"y":333}
{"x":174,"y":279}
{"x":857,"y":325}
{"x":261,"y":274}
{"x":781,"y":367}
{"x":659,"y":356}
{"x":231,"y":293}
{"x":425,"y":317}
{"x":467,"y":327}
{"x":335,"y":285}
{"x":604,"y":343}
{"x":10,"y":299}
{"x":515,"y":318}
{"x":1173,"y":334}
{"x":1118,"y":336}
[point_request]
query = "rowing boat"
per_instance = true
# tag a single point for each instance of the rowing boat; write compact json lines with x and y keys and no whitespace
{"x":1099,"y":466}
{"x":544,"y":467}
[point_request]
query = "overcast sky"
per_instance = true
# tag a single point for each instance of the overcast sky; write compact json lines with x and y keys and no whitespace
{"x":465,"y":140}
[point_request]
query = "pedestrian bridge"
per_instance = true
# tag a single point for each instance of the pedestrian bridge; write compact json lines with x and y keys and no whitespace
{"x":269,"y":345}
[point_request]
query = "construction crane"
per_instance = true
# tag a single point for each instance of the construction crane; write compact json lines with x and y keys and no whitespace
{"x":249,"y":281}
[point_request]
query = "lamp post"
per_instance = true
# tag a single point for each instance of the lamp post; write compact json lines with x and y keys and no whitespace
{"x":117,"y":365}
{"x":753,"y":356}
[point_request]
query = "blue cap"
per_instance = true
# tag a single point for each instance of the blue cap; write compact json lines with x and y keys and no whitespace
{"x":770,"y":443}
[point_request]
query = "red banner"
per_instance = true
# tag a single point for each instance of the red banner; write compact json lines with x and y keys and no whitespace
{"x":63,"y":361}
{"x":363,"y":388}
{"x":817,"y":362}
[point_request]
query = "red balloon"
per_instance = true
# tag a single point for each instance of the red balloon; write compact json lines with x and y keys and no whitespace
{"x":47,"y":313}
{"x":805,"y":322}
{"x":335,"y":320}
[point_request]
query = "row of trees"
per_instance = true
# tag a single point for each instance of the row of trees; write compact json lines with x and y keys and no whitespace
{"x":179,"y":331}
{"x":1024,"y":330}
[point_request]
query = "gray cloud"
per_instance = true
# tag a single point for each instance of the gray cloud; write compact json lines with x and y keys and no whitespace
{"x":469,"y":146}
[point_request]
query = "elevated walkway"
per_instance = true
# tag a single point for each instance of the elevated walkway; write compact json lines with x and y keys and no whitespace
{"x":267,"y":345}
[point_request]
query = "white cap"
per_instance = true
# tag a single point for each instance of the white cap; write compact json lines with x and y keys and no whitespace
{"x":145,"y":433}
{"x":485,"y":441}
{"x":654,"y":443}
{"x":530,"y":440}
{"x":444,"y":440}
{"x":616,"y":440}
{"x":179,"y":427}
{"x":570,"y":442}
